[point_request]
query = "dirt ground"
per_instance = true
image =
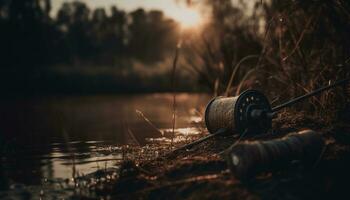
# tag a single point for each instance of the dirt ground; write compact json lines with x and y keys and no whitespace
{"x":203,"y":174}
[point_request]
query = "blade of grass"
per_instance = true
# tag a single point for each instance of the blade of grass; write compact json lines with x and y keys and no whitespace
{"x":131,"y":135}
{"x":173,"y":80}
{"x":237,"y":66}
{"x":243,"y":80}
{"x":148,"y":121}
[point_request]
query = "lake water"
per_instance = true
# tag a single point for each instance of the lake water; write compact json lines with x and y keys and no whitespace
{"x":56,"y":138}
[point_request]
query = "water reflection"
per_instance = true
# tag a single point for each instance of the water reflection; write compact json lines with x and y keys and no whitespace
{"x":66,"y":165}
{"x":57,"y":138}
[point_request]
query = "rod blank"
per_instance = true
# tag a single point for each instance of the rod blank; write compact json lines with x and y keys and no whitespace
{"x":201,"y":140}
{"x":313,"y":93}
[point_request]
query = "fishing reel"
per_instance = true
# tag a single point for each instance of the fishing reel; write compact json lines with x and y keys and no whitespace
{"x":250,"y":111}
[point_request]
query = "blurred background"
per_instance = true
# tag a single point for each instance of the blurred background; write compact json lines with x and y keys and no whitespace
{"x":78,"y":75}
{"x":75,"y":47}
{"x":87,"y":47}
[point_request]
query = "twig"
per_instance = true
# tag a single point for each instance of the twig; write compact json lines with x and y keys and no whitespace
{"x":148,"y":121}
{"x":297,"y":44}
{"x":178,"y":47}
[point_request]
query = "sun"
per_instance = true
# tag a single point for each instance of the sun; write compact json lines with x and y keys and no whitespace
{"x":188,"y":18}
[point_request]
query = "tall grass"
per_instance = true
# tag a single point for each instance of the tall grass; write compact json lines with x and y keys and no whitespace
{"x":71,"y":151}
{"x":285,"y":48}
{"x":173,"y":83}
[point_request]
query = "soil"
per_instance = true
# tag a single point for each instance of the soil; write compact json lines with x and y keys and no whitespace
{"x":203,"y":174}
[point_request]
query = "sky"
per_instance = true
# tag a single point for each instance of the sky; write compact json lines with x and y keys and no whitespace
{"x":169,"y":7}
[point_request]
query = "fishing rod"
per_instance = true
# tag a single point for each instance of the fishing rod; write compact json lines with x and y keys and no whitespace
{"x":203,"y":139}
{"x":250,"y":112}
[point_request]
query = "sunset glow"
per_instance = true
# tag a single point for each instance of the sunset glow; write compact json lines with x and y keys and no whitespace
{"x":188,"y":18}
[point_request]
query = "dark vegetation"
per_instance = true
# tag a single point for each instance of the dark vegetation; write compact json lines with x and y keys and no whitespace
{"x":80,"y":50}
{"x":284,"y":48}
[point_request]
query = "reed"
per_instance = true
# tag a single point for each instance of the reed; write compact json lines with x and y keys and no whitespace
{"x":71,"y":151}
{"x":173,"y":85}
{"x":142,"y":115}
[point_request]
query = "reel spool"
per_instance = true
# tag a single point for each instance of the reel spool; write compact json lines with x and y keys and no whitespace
{"x":250,"y":111}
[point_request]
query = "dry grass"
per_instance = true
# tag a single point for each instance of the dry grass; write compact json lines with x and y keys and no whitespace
{"x":300,"y":47}
{"x":173,"y":83}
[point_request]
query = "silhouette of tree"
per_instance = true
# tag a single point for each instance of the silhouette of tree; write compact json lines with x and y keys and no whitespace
{"x":27,"y":35}
{"x":73,"y":18}
{"x":32,"y":42}
{"x":151,"y":36}
{"x":108,"y":35}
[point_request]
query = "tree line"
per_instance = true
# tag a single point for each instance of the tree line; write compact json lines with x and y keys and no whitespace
{"x":31,"y":38}
{"x":283,"y":47}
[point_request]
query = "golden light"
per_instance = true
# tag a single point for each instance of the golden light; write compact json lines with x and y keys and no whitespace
{"x":188,"y":18}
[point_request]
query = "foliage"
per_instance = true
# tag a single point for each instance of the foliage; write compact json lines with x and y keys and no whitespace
{"x":285,"y":48}
{"x":94,"y":49}
{"x":78,"y":35}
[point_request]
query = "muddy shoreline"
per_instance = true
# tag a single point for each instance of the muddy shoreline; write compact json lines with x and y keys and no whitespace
{"x":202,"y":173}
